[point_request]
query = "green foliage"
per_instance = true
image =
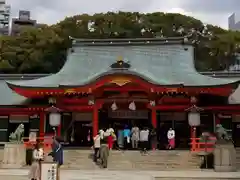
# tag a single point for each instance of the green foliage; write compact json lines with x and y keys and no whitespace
{"x":43,"y":50}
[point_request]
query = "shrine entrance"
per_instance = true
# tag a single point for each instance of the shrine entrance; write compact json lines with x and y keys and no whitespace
{"x":177,"y":121}
{"x":117,"y":115}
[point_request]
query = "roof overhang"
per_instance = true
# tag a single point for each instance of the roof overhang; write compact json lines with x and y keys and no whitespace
{"x":234,"y":97}
{"x":120,"y":79}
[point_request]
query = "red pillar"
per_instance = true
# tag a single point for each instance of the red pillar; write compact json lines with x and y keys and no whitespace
{"x":95,"y":120}
{"x":41,"y":126}
{"x":154,"y":124}
{"x":154,"y":118}
{"x":193,"y":139}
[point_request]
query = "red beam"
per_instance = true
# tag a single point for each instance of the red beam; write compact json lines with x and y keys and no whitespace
{"x":223,"y":108}
{"x":77,"y":108}
{"x":74,"y":101}
{"x":170,"y":107}
{"x":235,"y":109}
{"x":174,"y":100}
{"x":124,"y":89}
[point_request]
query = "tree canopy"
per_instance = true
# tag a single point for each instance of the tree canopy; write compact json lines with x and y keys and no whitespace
{"x":43,"y":50}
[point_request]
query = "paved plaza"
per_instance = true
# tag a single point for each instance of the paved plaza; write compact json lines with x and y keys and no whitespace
{"x":123,"y":175}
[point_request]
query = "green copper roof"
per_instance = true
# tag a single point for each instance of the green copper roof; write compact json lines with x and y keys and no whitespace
{"x":9,"y":97}
{"x":159,"y":63}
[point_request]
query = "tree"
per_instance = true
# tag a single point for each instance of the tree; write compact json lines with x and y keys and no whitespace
{"x":43,"y":50}
{"x":32,"y":51}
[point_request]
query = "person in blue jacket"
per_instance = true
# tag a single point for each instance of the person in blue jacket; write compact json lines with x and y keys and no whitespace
{"x":57,"y":151}
{"x":126,"y":135}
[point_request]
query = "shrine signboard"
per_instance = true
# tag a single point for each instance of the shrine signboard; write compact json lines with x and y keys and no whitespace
{"x":49,"y":171}
{"x":128,"y":114}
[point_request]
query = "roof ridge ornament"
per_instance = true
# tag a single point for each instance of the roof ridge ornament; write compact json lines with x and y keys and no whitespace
{"x":120,"y":64}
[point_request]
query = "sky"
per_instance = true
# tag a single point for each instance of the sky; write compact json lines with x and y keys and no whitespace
{"x":51,"y":11}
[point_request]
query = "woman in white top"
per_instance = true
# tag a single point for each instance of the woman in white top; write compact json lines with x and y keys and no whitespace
{"x":109,"y":131}
{"x":34,"y":173}
{"x":171,"y":138}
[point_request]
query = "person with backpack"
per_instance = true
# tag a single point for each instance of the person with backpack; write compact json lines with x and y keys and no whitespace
{"x":96,"y":146}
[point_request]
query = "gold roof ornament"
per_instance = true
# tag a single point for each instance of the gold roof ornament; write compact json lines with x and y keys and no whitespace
{"x":120,"y":60}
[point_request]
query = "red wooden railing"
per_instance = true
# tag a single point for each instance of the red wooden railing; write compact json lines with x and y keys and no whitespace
{"x":45,"y":142}
{"x":197,"y":146}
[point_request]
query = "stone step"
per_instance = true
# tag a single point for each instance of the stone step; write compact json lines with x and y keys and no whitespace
{"x":197,"y":178}
{"x":134,"y":160}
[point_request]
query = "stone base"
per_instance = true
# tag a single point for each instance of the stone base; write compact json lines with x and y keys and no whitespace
{"x":225,"y":158}
{"x":224,"y":168}
{"x":14,"y":155}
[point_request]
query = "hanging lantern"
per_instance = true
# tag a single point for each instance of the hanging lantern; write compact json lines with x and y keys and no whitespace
{"x":194,"y":119}
{"x":54,"y":116}
{"x":132,"y":106}
{"x":54,"y":119}
{"x":114,"y":106}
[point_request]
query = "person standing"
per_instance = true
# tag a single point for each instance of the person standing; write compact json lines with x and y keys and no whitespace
{"x":34,"y":173}
{"x":97,"y":144}
{"x":57,"y":151}
{"x":144,"y":137}
{"x":171,"y":138}
{"x":104,"y":152}
{"x":135,"y":137}
{"x":153,"y":139}
{"x":110,"y":134}
{"x":101,"y":133}
{"x":126,"y":135}
{"x":120,"y":139}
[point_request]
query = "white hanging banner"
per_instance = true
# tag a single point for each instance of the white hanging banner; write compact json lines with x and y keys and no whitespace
{"x":132,"y":106}
{"x":114,"y":106}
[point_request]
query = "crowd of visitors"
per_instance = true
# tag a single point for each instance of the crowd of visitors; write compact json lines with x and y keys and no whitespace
{"x":134,"y":138}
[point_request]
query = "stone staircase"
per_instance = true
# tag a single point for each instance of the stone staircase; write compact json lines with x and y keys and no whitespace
{"x":133,"y":160}
{"x":154,"y":160}
{"x":78,"y":159}
{"x":238,"y":157}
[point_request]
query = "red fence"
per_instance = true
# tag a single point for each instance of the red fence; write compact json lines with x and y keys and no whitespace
{"x":197,"y":146}
{"x":45,"y":142}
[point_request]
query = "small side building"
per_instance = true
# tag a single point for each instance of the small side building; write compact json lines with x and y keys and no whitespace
{"x":23,"y":20}
{"x":4,"y":18}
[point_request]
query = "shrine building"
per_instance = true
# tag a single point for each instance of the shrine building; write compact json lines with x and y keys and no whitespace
{"x":148,"y":82}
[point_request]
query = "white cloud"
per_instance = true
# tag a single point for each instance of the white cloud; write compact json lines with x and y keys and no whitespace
{"x":51,"y":11}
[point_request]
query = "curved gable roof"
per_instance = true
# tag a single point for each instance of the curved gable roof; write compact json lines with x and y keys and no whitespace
{"x":162,"y":63}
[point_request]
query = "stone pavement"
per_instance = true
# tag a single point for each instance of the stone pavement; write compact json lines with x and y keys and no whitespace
{"x":18,"y":174}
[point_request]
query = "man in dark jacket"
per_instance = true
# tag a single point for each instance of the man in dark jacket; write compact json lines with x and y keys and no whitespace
{"x":57,"y":151}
